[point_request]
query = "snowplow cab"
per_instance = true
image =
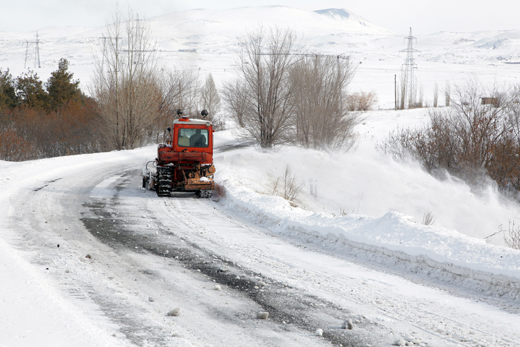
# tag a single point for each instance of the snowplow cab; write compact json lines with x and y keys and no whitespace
{"x":191,"y":141}
{"x":185,"y":162}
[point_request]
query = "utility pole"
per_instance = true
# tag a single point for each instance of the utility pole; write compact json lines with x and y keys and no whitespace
{"x":409,"y":66}
{"x":395,"y":92}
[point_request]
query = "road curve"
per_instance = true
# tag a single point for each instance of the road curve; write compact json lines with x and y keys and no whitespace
{"x":127,"y":258}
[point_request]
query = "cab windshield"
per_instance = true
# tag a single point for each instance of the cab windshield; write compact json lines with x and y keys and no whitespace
{"x":193,"y":138}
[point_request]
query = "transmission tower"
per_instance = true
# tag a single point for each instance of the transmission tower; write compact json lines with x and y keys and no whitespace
{"x":36,"y":51}
{"x":408,"y":88}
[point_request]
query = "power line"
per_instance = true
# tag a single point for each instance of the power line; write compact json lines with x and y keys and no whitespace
{"x":316,"y":55}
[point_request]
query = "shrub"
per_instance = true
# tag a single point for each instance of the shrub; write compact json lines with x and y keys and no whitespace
{"x":13,"y":147}
{"x":468,"y":140}
{"x":361,"y":101}
{"x":287,"y":186}
{"x":29,"y":133}
{"x":512,"y":238}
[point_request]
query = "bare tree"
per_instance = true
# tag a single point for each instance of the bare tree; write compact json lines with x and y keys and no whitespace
{"x":320,"y":102}
{"x":420,"y":101}
{"x":403,"y":92}
{"x":209,"y":98}
{"x":263,"y":73}
{"x":513,"y":118}
{"x":236,"y":104}
{"x":181,"y":90}
{"x":447,"y":94}
{"x":125,"y":83}
{"x":435,"y":94}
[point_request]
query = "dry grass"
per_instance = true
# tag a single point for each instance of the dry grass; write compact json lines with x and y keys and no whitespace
{"x":512,"y":236}
{"x":287,"y":186}
{"x":428,"y":218}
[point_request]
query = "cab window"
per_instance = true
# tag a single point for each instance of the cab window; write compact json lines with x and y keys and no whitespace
{"x":193,"y":138}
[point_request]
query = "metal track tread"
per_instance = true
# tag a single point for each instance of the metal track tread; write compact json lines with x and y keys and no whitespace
{"x":164,"y":181}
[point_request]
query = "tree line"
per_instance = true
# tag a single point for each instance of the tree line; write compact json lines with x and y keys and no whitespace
{"x":56,"y":118}
{"x":48,"y":119}
{"x":281,"y":94}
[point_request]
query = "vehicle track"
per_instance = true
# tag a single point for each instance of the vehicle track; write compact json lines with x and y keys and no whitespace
{"x":248,"y":261}
{"x":289,"y":307}
{"x":442,"y":323}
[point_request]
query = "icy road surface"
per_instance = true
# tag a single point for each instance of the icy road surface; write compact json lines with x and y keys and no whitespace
{"x":108,"y":261}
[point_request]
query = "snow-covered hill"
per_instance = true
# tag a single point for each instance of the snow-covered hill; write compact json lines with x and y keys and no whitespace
{"x":234,"y":23}
{"x":208,"y":41}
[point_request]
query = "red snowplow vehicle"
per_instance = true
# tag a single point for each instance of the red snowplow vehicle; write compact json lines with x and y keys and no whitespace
{"x":185,"y":162}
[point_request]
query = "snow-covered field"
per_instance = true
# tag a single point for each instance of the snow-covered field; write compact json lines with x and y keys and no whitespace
{"x":88,"y":258}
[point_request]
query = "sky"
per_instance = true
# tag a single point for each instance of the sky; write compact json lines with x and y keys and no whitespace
{"x":425,"y":17}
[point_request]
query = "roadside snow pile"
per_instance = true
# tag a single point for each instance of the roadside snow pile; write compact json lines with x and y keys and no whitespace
{"x":363,"y":182}
{"x":370,"y":206}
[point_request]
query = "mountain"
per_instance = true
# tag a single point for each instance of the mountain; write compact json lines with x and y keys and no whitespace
{"x":239,"y":20}
{"x":222,"y":29}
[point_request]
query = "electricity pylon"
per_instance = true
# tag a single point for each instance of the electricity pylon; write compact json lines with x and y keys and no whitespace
{"x":408,"y":89}
{"x":36,"y":52}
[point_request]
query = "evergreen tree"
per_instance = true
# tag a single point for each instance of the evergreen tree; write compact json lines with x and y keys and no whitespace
{"x":61,"y":87}
{"x":30,"y":92}
{"x":7,"y":90}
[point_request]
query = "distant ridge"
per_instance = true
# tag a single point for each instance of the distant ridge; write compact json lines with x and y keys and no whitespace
{"x":235,"y":20}
{"x":351,"y":19}
{"x":334,"y":12}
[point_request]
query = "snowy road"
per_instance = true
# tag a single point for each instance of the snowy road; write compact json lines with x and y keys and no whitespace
{"x":116,"y":259}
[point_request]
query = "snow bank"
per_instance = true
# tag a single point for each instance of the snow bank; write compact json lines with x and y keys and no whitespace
{"x":362,"y":202}
{"x":366,"y":182}
{"x":392,"y":239}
